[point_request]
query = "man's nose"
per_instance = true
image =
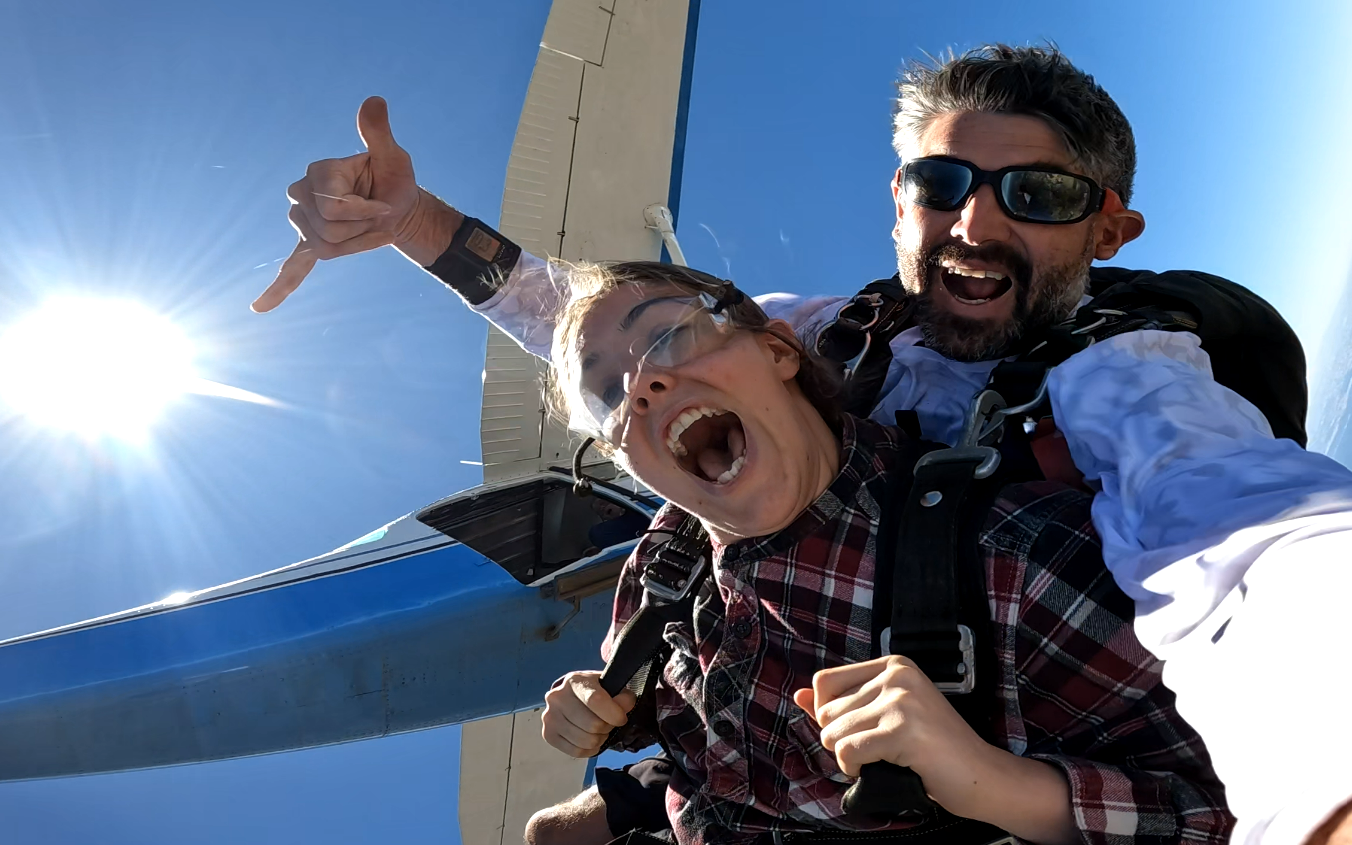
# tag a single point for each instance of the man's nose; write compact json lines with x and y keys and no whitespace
{"x":981,"y":219}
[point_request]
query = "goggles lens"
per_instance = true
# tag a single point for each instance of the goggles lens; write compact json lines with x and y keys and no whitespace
{"x":658,"y":333}
{"x":1028,"y":194}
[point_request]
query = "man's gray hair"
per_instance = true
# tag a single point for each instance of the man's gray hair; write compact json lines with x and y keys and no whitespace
{"x":1035,"y":81}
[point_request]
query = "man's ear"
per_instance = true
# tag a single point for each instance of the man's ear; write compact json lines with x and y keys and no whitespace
{"x":1117,"y":226}
{"x":897,"y":202}
{"x":784,"y":357}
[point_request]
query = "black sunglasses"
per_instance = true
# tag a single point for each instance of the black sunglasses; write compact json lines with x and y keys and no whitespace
{"x":1030,"y":194}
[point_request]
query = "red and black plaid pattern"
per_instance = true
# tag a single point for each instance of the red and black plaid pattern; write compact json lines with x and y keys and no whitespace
{"x":1076,"y":688}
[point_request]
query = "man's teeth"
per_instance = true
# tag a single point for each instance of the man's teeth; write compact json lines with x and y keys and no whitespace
{"x":683,"y":422}
{"x":975,"y":274}
{"x":733,"y":471}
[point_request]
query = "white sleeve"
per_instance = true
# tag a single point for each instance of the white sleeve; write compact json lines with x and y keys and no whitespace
{"x":526,"y":306}
{"x":1237,"y":548}
{"x":807,"y":314}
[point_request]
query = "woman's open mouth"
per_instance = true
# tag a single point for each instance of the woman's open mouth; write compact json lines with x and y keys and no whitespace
{"x":974,"y":287}
{"x":709,"y":443}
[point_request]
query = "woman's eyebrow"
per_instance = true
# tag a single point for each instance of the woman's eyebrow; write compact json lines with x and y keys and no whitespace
{"x":637,"y":310}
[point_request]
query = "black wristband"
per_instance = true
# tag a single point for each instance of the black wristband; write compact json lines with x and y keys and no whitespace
{"x":477,"y":263}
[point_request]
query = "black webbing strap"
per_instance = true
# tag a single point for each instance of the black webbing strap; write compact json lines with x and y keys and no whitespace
{"x":859,"y":339}
{"x":936,"y":609}
{"x":1021,"y":383}
{"x":477,"y":262}
{"x":671,"y":581}
{"x":944,"y":829}
{"x":927,"y":623}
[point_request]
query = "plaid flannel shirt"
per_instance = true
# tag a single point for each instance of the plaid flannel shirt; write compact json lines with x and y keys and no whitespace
{"x":1076,"y":689}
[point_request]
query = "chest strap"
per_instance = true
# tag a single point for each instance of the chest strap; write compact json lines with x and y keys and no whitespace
{"x":936,"y":609}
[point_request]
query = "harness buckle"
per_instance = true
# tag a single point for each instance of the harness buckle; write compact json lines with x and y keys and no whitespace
{"x":997,"y":417}
{"x":966,"y":667}
{"x":872,"y":305}
{"x":983,"y":420}
{"x":673,"y":572}
{"x":987,"y":459}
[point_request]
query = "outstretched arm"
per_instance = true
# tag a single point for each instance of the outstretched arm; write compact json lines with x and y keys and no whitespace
{"x":344,"y":206}
{"x":1237,"y":548}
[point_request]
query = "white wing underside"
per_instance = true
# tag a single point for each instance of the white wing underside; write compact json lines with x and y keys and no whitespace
{"x":593,"y":149}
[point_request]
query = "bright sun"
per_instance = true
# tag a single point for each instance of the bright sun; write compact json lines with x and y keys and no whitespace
{"x":99,"y":367}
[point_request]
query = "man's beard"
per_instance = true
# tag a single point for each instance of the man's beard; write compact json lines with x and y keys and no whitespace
{"x":1043,"y":297}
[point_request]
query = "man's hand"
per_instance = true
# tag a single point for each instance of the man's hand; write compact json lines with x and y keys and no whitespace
{"x":359,"y":203}
{"x":579,"y":715}
{"x":886,"y":709}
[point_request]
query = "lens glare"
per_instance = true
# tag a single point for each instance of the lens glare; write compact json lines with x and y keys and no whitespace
{"x":1044,"y":197}
{"x":940,"y":185}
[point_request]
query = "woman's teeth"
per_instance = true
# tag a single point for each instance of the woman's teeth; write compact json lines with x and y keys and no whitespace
{"x":733,"y":471}
{"x":683,"y":422}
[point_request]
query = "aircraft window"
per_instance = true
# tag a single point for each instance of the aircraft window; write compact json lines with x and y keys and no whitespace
{"x":536,"y":528}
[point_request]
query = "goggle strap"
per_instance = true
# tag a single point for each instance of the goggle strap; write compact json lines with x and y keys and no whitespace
{"x":728,"y":298}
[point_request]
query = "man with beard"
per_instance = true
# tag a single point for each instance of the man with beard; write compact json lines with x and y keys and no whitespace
{"x":1016,"y":174}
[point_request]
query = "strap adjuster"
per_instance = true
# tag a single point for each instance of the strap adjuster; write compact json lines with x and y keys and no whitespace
{"x":966,"y":665}
{"x":673,"y":572}
{"x":986,"y":458}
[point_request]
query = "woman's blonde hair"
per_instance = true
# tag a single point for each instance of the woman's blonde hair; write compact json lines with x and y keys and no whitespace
{"x":817,"y":377}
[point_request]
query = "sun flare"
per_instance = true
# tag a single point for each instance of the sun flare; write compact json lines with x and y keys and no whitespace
{"x":94,"y":366}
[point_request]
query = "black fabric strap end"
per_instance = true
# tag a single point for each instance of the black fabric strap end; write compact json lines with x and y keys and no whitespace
{"x":477,"y":263}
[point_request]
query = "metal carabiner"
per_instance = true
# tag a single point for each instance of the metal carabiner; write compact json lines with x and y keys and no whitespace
{"x":872,"y":301}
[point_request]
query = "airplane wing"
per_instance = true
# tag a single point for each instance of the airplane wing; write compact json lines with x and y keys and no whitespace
{"x":601,"y":138}
{"x":465,"y":609}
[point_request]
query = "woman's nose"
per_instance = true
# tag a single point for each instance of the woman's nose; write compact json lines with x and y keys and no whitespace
{"x":644,"y":388}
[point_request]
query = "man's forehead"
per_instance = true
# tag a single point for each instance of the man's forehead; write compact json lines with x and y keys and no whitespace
{"x":992,"y":141}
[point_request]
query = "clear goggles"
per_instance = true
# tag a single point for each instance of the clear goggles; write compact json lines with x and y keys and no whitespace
{"x":658,"y":333}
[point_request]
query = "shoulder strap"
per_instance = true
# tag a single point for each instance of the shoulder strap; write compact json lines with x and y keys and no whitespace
{"x":936,"y":609}
{"x":859,"y":340}
{"x":671,"y":581}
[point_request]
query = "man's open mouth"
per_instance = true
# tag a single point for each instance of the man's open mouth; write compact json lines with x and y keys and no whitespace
{"x":709,"y":443}
{"x":974,"y":287}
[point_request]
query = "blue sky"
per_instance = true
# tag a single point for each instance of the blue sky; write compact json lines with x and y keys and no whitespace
{"x":147,"y":147}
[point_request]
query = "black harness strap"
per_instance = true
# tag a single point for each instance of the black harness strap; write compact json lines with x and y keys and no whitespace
{"x":944,"y":829}
{"x":859,"y":339}
{"x":1021,"y":383}
{"x":671,"y":583}
{"x":937,"y":612}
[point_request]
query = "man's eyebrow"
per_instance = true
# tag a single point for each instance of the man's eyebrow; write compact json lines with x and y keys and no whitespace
{"x":1043,"y":164}
{"x":637,"y":310}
